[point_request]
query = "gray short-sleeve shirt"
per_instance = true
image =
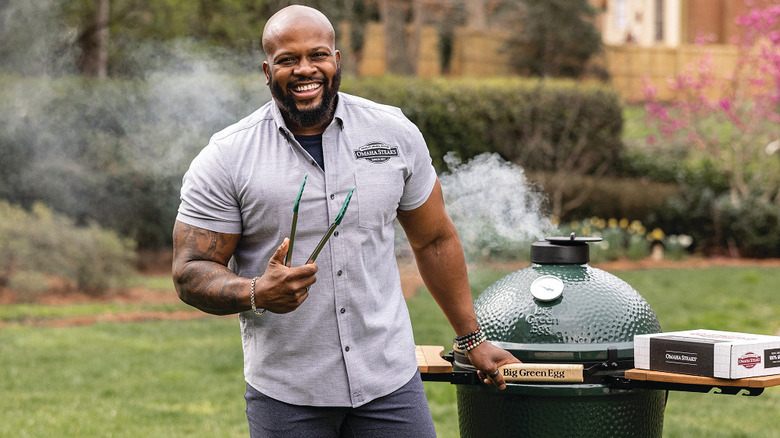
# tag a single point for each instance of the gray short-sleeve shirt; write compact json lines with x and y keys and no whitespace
{"x":351,"y":340}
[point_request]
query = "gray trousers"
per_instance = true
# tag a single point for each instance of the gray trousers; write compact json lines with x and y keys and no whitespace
{"x":403,"y":413}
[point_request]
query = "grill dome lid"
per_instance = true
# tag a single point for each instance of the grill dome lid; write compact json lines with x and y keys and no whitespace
{"x":562,"y":309}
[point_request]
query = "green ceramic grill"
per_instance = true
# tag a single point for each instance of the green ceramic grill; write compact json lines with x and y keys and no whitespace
{"x":561,"y":310}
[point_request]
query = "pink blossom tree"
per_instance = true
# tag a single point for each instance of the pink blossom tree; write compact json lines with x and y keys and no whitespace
{"x":731,"y":118}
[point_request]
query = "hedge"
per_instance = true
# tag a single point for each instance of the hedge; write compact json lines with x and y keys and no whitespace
{"x":540,"y":124}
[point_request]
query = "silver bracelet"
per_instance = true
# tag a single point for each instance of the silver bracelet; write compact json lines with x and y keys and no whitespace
{"x":252,"y":297}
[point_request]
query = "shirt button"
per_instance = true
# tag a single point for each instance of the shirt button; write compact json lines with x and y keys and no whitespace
{"x":346,"y":348}
{"x":332,"y":196}
{"x":339,"y":273}
{"x":343,"y":310}
{"x":336,"y":234}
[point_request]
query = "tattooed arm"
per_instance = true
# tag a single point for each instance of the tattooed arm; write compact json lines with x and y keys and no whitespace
{"x":203,"y":280}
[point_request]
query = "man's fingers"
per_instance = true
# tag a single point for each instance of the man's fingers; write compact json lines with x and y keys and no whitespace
{"x":498,"y":379}
{"x":281,"y":252}
{"x":494,"y":379}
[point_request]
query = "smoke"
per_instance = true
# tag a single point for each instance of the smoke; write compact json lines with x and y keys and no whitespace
{"x":111,"y":151}
{"x":196,"y":94}
{"x":497,"y":212}
{"x":34,"y":40}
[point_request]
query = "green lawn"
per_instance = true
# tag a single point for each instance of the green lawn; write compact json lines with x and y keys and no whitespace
{"x":184,"y":378}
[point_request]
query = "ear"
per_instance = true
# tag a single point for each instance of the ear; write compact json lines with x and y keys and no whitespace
{"x":267,"y":75}
{"x":338,"y":58}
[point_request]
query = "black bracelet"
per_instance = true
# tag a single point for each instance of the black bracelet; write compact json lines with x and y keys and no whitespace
{"x":470,"y":341}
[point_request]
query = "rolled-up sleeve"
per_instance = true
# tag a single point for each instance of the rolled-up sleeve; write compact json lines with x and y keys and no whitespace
{"x":208,"y":197}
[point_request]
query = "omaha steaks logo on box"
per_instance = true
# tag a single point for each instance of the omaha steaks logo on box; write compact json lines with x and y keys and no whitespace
{"x":749,"y":360}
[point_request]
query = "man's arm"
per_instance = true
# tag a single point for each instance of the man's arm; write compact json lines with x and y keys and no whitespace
{"x":203,"y":280}
{"x":439,"y":255}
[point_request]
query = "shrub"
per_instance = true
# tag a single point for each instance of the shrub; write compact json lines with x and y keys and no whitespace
{"x":41,"y":241}
{"x":551,"y":125}
{"x":752,"y":227}
{"x":607,"y":196}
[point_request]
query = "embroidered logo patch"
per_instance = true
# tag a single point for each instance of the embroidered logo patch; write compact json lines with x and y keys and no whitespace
{"x":376,"y":152}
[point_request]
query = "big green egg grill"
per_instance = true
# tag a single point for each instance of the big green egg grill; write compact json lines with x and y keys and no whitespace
{"x":561,"y":310}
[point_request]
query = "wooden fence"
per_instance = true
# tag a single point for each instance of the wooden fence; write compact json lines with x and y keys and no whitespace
{"x":631,"y":67}
{"x":478,"y":53}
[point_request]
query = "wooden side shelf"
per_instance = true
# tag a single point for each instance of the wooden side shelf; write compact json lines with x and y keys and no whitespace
{"x":434,"y":367}
{"x":658,"y":376}
{"x":429,"y":359}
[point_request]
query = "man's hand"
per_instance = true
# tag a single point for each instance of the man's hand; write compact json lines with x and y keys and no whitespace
{"x":282,"y":289}
{"x":487,"y":358}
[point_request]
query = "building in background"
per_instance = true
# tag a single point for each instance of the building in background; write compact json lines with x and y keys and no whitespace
{"x":669,"y":23}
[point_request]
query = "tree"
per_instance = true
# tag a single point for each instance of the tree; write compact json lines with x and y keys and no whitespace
{"x":731,"y":119}
{"x":94,"y":42}
{"x":394,"y":16}
{"x":556,"y":37}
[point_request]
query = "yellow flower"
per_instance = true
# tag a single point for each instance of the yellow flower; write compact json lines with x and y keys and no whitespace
{"x":594,"y":221}
{"x":575,"y":226}
{"x":623,"y":223}
{"x":657,"y":234}
{"x":612,"y":222}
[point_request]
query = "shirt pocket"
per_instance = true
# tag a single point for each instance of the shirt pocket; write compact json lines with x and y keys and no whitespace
{"x":378,"y":194}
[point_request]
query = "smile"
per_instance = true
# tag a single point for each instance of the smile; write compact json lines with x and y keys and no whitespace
{"x":307,"y":87}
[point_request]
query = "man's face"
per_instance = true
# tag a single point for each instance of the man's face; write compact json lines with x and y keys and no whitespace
{"x":304,"y":74}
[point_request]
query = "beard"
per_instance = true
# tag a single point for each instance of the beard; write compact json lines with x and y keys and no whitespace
{"x":309,"y":117}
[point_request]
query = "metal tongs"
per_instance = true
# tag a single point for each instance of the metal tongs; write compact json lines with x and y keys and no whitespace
{"x":328,"y":233}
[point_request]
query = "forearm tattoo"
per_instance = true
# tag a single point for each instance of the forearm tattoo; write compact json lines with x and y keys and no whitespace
{"x":200,"y":269}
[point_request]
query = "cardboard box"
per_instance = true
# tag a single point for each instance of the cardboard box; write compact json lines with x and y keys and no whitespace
{"x":708,"y":353}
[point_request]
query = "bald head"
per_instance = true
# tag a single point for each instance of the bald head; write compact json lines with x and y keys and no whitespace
{"x":292,"y":17}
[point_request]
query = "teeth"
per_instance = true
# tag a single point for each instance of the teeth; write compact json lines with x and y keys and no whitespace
{"x":307,"y":87}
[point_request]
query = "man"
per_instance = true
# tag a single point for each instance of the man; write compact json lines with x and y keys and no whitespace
{"x":328,"y":346}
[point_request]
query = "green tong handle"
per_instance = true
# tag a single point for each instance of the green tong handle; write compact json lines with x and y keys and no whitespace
{"x":288,"y":257}
{"x":331,"y":228}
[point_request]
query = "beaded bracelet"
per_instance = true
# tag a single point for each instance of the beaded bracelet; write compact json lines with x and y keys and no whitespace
{"x":470,"y":341}
{"x":252,"y":296}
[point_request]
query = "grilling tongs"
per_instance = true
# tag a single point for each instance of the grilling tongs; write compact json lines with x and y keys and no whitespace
{"x":328,"y":233}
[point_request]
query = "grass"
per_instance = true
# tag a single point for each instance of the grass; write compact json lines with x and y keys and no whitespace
{"x":28,"y":312}
{"x":160,"y":379}
{"x":184,"y":378}
{"x":635,"y":126}
{"x":155,"y":282}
